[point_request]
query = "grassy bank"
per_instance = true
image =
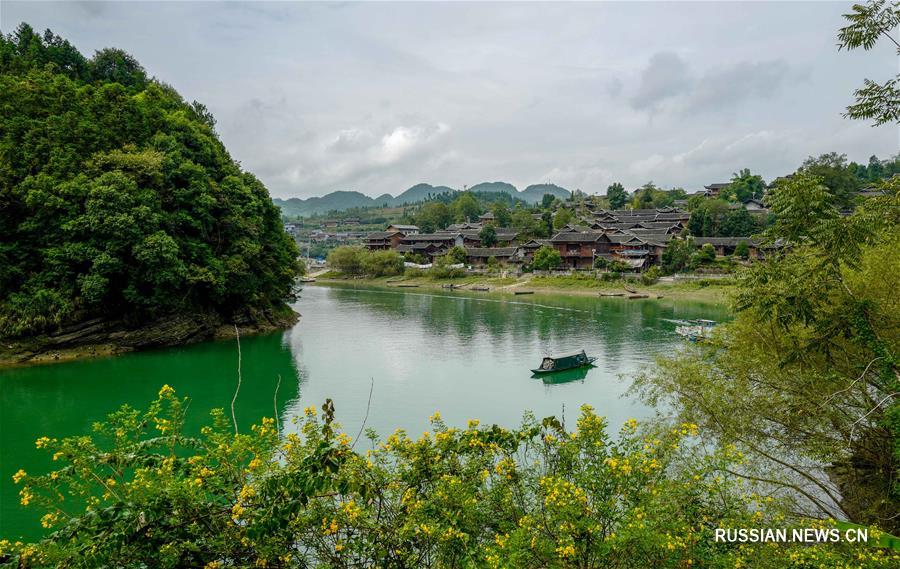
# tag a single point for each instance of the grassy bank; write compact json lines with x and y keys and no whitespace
{"x":570,"y":285}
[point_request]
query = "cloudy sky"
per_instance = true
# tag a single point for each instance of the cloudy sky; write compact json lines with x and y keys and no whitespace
{"x":376,"y":97}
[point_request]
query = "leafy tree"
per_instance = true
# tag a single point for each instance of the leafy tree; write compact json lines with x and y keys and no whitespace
{"x":382,"y":263}
{"x":677,"y":255}
{"x":502,"y":216}
{"x":616,"y":195}
{"x":562,"y":218}
{"x":799,"y":206}
{"x":347,"y":260}
{"x":466,"y":207}
{"x":869,"y":22}
{"x":526,"y":225}
{"x":835,"y":175}
{"x":118,"y":199}
{"x":742,"y":250}
{"x":547,"y":201}
{"x":488,"y":236}
{"x":113,"y":65}
{"x":546,"y":258}
{"x":738,"y":223}
{"x":745,"y":186}
{"x":433,"y":216}
{"x":456,"y":255}
{"x":706,"y":253}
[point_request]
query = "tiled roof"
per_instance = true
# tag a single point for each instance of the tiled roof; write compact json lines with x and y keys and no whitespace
{"x":491,"y":251}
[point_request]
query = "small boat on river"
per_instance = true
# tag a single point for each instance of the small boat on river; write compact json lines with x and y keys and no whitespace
{"x":561,"y":362}
{"x":696,"y":330}
{"x":524,"y":292}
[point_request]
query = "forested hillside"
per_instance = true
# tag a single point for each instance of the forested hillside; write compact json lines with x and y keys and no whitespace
{"x":119,"y":200}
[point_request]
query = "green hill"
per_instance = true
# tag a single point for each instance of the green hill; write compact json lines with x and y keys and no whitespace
{"x":119,"y":200}
{"x":535,"y":192}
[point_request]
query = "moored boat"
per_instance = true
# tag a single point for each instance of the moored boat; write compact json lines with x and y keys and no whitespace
{"x":696,"y":330}
{"x":561,"y":362}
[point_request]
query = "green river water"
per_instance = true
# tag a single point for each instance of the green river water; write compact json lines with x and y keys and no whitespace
{"x":465,"y":355}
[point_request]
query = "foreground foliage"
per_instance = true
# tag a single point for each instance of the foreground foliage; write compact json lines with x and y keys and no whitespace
{"x":806,"y":380}
{"x":539,"y":496}
{"x":117,"y":199}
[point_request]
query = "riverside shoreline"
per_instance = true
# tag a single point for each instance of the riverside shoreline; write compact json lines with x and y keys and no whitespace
{"x":546,"y":285}
{"x":98,"y":337}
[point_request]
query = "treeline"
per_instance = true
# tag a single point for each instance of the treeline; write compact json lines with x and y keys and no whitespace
{"x":118,"y":199}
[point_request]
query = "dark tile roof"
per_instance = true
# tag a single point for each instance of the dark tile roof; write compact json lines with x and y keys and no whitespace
{"x":573,"y":237}
{"x":380,"y":235}
{"x":491,"y":251}
{"x":430,"y":237}
{"x":725,"y":241}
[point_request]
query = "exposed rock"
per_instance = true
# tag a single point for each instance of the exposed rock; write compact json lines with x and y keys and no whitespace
{"x":98,"y":337}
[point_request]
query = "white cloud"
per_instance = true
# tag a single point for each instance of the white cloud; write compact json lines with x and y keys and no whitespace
{"x":316,"y":97}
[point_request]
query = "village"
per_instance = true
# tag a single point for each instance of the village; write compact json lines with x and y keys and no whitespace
{"x":634,"y":239}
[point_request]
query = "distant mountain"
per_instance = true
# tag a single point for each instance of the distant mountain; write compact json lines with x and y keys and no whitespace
{"x":495,"y":187}
{"x":535,"y":192}
{"x":339,"y":200}
{"x":419,"y":193}
{"x":343,"y":200}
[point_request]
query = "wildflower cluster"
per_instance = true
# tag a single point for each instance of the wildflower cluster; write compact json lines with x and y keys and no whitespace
{"x":482,"y":496}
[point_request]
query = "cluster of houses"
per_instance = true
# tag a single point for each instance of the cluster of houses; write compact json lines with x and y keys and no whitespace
{"x":636,"y":237}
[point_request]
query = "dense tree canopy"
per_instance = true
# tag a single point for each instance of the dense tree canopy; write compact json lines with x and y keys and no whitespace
{"x":118,"y":199}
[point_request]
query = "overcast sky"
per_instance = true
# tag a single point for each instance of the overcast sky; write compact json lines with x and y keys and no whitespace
{"x":316,"y":97}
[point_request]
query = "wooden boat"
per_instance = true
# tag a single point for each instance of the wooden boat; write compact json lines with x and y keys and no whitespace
{"x":633,"y":296}
{"x":307,"y":280}
{"x":630,"y":289}
{"x":524,"y":292}
{"x":480,"y":288}
{"x":451,"y":286}
{"x":612,"y":294}
{"x":561,"y":362}
{"x":408,"y":286}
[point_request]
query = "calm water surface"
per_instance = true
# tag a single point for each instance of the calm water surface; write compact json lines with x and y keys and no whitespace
{"x":463,"y":355}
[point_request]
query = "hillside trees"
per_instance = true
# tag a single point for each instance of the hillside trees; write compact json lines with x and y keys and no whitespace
{"x":616,"y":195}
{"x":119,"y":200}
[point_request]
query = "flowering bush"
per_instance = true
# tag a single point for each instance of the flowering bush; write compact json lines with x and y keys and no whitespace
{"x":141,"y":491}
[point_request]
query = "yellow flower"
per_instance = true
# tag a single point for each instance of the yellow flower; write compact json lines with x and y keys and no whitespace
{"x":41,"y":442}
{"x":631,"y":424}
{"x":57,"y":455}
{"x":255,"y":463}
{"x":166,"y":391}
{"x":436,"y":416}
{"x":18,"y":476}
{"x":26,"y":496}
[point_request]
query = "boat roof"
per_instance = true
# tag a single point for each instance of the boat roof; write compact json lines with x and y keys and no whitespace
{"x":565,"y":355}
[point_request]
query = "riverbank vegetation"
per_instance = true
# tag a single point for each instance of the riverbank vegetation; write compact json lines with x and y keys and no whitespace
{"x":806,"y":379}
{"x":541,"y":495}
{"x":119,"y":200}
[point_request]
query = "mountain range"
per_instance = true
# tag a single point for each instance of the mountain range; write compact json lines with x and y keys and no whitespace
{"x":343,"y":199}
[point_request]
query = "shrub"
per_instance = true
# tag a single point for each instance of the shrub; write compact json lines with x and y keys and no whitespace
{"x":347,"y":260}
{"x":742,"y":250}
{"x":456,"y":254}
{"x":546,"y":259}
{"x":651,"y":275}
{"x":382,"y":263}
{"x":483,"y":496}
